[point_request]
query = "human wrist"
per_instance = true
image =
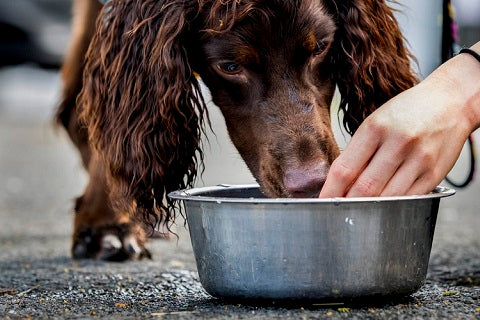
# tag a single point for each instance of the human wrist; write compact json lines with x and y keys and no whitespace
{"x":473,"y":102}
{"x":458,"y":80}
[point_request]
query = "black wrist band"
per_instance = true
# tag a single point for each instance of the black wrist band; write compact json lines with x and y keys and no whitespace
{"x":471,"y":52}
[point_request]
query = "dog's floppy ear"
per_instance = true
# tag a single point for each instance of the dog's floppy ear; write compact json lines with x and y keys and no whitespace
{"x":371,"y":61}
{"x":141,"y":101}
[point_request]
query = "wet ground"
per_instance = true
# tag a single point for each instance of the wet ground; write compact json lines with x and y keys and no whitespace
{"x":40,"y":174}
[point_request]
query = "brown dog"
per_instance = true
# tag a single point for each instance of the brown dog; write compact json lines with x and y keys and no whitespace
{"x":271,"y":67}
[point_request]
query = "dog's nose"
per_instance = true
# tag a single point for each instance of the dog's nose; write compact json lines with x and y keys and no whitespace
{"x":306,"y":181}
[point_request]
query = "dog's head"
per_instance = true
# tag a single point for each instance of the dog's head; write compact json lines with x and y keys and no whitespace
{"x":271,"y":67}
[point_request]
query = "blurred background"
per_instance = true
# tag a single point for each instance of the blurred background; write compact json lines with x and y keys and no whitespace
{"x":40,"y":171}
{"x":41,"y":174}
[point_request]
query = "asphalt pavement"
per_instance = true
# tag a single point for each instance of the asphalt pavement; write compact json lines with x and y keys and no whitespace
{"x":40,"y":174}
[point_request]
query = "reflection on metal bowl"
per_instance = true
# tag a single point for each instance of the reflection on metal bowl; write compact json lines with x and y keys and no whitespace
{"x":249,"y":246}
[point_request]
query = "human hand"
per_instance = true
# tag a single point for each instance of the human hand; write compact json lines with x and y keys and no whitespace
{"x":409,"y":144}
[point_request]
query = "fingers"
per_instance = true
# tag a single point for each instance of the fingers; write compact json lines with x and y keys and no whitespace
{"x":368,"y":171}
{"x":380,"y":170}
{"x":423,"y":185}
{"x":423,"y":169}
{"x":404,"y":179}
{"x":390,"y":175}
{"x":347,"y":167}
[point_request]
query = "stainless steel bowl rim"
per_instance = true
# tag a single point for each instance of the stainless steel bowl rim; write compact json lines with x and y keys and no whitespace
{"x":196,"y":194}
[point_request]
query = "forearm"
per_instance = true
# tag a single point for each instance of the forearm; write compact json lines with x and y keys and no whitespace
{"x":475,"y":101}
{"x":459,"y":80}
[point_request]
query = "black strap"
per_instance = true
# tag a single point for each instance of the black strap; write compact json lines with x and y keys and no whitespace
{"x":471,"y":52}
{"x":471,"y":172}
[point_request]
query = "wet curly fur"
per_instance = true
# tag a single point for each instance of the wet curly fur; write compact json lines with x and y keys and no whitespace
{"x":271,"y":67}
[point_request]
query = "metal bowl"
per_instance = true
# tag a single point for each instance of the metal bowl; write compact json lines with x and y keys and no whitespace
{"x":253,"y":247}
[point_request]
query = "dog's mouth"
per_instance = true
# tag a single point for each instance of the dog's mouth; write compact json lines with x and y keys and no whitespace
{"x":286,"y":189}
{"x":305,"y":194}
{"x":276,"y":193}
{"x":309,"y":190}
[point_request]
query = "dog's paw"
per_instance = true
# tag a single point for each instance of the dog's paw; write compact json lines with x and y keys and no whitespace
{"x":112,"y":243}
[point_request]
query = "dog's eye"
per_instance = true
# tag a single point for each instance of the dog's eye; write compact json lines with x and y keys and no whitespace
{"x":319,"y":48}
{"x":229,"y":67}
